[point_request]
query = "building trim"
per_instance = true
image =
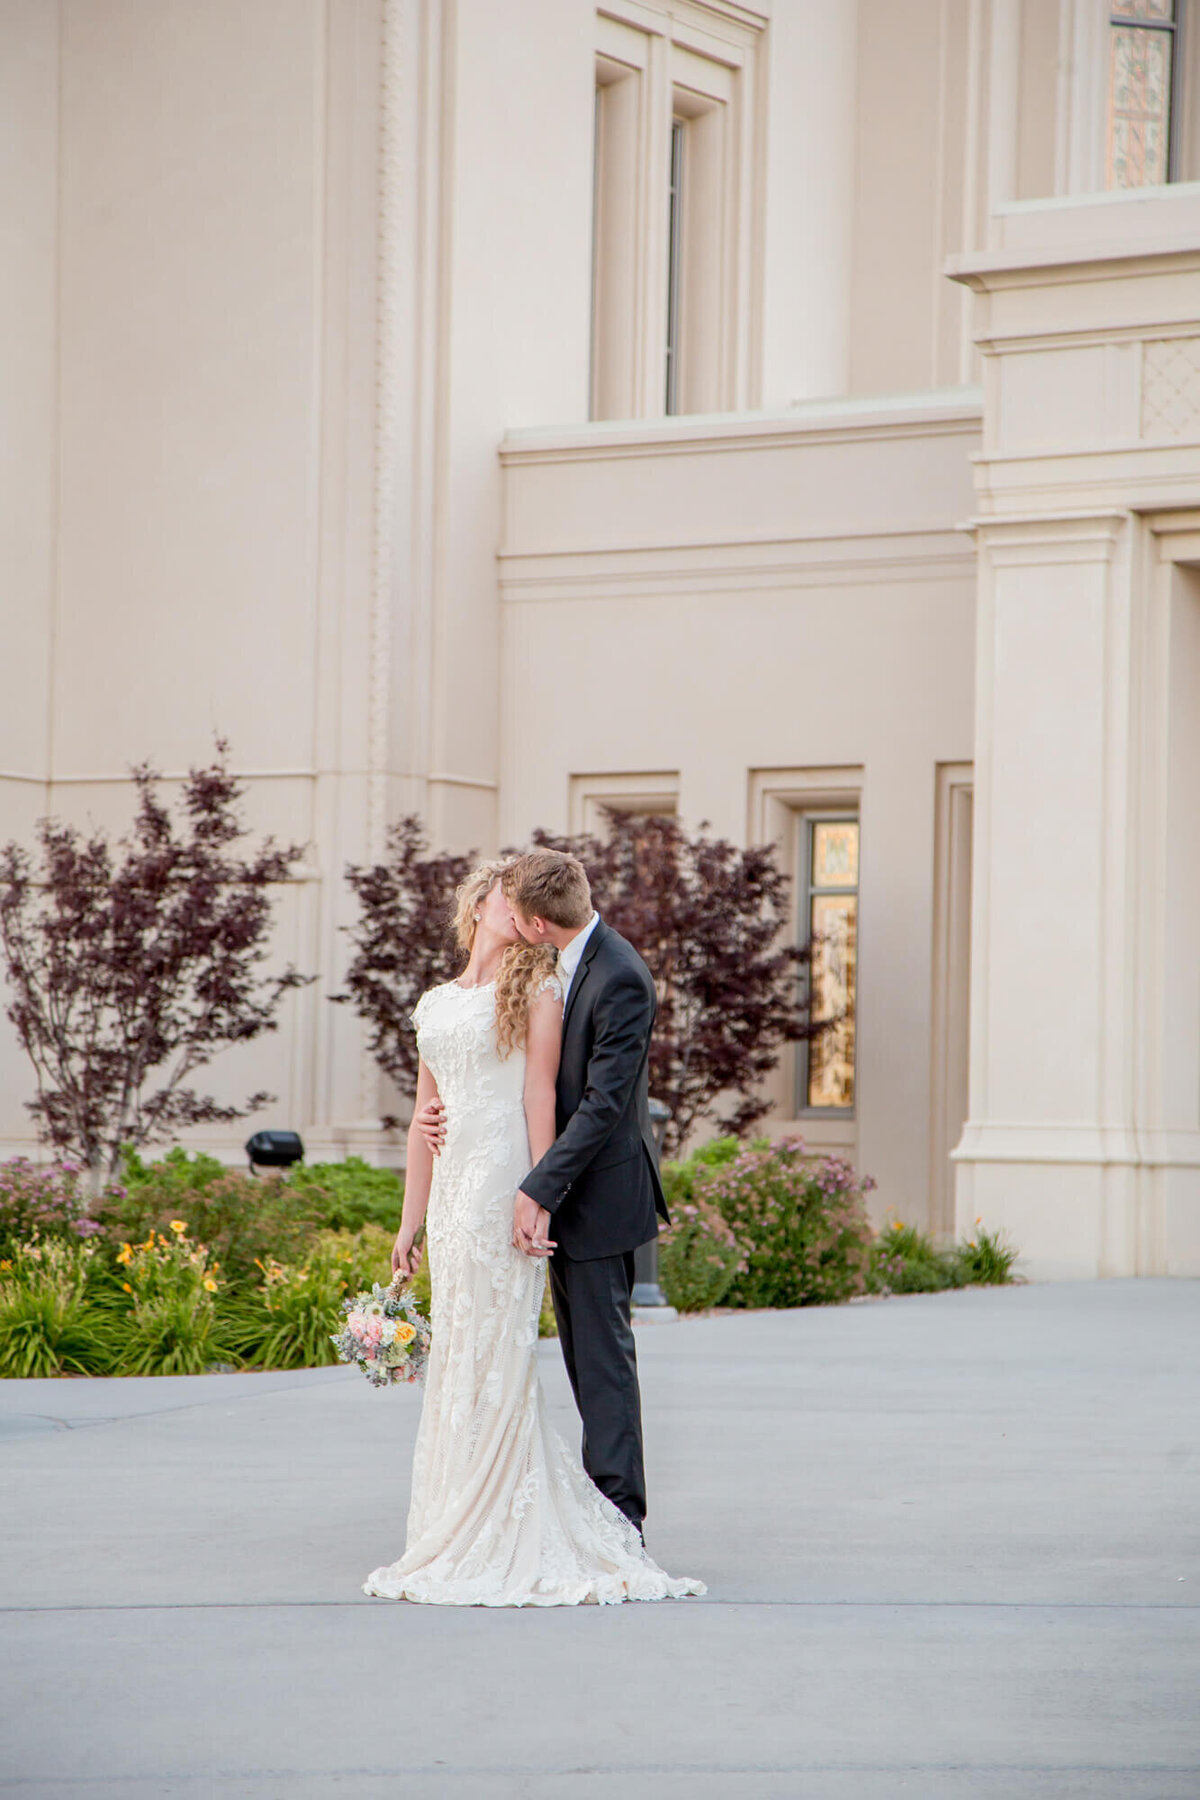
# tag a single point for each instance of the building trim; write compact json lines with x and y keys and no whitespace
{"x":959,"y":415}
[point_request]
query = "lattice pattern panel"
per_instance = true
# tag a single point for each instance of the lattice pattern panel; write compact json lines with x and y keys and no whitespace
{"x":1171,"y":387}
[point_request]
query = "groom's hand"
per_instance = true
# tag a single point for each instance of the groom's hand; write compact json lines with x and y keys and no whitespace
{"x":430,"y":1121}
{"x":531,"y":1223}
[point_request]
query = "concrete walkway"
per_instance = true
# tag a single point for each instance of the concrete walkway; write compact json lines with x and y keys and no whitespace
{"x":951,"y":1545}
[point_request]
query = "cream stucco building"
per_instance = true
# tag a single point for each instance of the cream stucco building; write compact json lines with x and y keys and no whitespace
{"x":786,"y":414}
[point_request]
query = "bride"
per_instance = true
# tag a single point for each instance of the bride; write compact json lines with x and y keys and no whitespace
{"x":502,"y":1513}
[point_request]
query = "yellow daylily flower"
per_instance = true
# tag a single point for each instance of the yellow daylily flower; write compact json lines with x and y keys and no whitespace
{"x":210,"y":1284}
{"x":178,"y":1225}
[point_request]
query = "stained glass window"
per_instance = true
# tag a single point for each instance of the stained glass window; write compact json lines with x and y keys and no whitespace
{"x":1141,"y":83}
{"x":831,"y":890}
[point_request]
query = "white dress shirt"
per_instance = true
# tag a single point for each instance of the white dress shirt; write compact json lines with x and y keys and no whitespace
{"x":570,"y":954}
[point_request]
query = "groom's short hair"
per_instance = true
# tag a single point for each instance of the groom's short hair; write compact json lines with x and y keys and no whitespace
{"x":550,"y":885}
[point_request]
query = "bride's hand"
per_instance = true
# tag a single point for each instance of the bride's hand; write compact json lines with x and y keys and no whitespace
{"x":406,"y":1258}
{"x":531,"y":1226}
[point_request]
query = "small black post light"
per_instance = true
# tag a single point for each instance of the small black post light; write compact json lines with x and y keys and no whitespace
{"x":274,"y":1150}
{"x":646,"y":1291}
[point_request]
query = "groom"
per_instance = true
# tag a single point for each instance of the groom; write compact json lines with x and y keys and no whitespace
{"x":599,"y":1181}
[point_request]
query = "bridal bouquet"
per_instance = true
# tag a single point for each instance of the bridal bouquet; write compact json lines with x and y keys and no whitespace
{"x":385,"y":1335}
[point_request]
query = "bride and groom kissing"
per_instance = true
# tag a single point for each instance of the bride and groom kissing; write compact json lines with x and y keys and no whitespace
{"x":530,"y":1148}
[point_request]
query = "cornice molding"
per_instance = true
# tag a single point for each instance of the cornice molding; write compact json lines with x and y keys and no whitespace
{"x":849,"y":422}
{"x":992,"y":271}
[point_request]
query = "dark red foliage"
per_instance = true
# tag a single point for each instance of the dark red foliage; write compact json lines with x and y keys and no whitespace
{"x":131,"y":965}
{"x":712,"y":922}
{"x":402,"y":943}
{"x":710,"y":919}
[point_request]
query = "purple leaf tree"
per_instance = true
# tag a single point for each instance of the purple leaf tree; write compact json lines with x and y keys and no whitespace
{"x":402,"y":942}
{"x":714,"y":924}
{"x":132,"y":964}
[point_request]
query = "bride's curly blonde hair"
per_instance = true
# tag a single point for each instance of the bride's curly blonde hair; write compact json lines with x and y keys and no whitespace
{"x":523,"y":967}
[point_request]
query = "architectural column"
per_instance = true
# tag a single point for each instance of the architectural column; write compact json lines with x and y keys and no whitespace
{"x":1083,"y":1138}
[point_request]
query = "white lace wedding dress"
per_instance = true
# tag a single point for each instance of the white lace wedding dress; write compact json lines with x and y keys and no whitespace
{"x":502,"y":1513}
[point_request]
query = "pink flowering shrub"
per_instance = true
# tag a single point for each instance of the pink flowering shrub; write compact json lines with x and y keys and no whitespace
{"x":48,"y":1200}
{"x":698,"y":1257}
{"x":799,"y":1220}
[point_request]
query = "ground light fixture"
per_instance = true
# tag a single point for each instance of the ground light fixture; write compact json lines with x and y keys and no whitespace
{"x":274,"y":1150}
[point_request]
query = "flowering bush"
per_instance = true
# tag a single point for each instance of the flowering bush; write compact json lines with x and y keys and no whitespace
{"x":799,"y":1220}
{"x":986,"y":1260}
{"x":46,"y":1201}
{"x":698,"y":1257}
{"x":285,"y":1322}
{"x":906,"y":1260}
{"x":50,"y":1323}
{"x":171,"y":1324}
{"x":242,"y":1218}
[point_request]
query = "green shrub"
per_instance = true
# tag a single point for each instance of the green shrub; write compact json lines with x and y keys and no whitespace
{"x":43,"y":1201}
{"x":169,"y":1323}
{"x":905,"y":1260}
{"x":799,"y":1220}
{"x":50,"y":1323}
{"x":347,"y":1195}
{"x":242,"y":1218}
{"x":698,"y":1257}
{"x":986,"y":1260}
{"x":679,"y":1178}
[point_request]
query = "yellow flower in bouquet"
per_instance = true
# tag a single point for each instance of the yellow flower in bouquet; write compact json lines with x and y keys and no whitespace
{"x":405,"y":1333}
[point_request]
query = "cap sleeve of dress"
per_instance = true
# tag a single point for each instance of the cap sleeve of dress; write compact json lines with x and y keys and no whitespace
{"x":418,"y":1011}
{"x":552,"y":984}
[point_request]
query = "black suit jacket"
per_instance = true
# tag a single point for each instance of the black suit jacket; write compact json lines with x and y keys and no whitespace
{"x":599,"y":1179}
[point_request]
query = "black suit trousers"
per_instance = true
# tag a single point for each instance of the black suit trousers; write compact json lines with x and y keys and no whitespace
{"x":591,"y":1304}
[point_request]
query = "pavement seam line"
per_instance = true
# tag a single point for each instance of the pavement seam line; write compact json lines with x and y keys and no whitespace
{"x":1117,"y":1606}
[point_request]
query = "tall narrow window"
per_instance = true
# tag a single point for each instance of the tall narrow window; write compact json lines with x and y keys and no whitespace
{"x":615,"y":257}
{"x":830,"y":889}
{"x":674,"y":264}
{"x":1142,"y":82}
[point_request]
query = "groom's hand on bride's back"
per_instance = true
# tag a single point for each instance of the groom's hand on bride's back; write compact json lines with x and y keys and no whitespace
{"x":430,"y":1121}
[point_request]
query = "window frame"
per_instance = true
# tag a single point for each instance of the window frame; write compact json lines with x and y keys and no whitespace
{"x":809,"y":818}
{"x":698,"y":61}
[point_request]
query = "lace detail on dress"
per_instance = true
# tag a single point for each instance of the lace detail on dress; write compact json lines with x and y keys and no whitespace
{"x":502,"y":1513}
